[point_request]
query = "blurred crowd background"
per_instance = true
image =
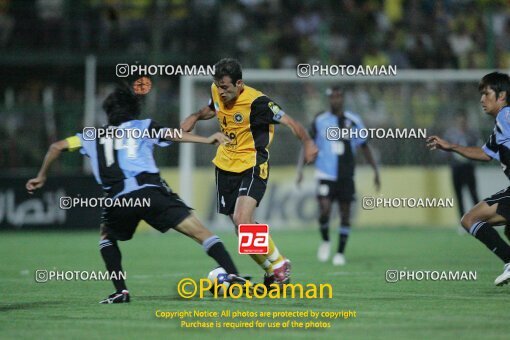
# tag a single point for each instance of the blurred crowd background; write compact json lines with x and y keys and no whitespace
{"x":43,"y":45}
{"x":269,"y":33}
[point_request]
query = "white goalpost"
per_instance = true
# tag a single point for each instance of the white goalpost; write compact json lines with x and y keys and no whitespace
{"x":283,"y":78}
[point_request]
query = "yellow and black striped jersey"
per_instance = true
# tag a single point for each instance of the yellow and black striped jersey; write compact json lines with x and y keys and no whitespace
{"x":250,"y":126}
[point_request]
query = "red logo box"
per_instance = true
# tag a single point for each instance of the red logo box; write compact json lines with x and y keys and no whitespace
{"x":253,"y":239}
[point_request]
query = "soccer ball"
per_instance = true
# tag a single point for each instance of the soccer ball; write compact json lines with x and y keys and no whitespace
{"x":223,"y":282}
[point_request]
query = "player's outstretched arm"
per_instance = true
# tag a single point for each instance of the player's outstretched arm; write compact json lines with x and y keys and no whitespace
{"x":216,"y":138}
{"x":53,"y":153}
{"x":472,"y":152}
{"x":367,"y":151}
{"x":204,"y":113}
{"x":300,"y":167}
{"x":310,"y":149}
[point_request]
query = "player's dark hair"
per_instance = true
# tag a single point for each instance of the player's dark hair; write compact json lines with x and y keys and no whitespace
{"x":335,"y":88}
{"x":228,"y":67}
{"x":496,"y":81}
{"x":462,"y":113}
{"x":121,"y":106}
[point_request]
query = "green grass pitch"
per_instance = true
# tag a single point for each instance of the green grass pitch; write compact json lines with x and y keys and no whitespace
{"x":155,"y":263}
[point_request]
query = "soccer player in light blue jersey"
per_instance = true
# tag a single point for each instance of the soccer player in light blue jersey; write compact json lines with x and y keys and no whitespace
{"x":125,"y":168}
{"x":494,"y":210}
{"x":334,"y":169}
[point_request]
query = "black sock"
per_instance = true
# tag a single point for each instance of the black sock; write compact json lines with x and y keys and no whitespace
{"x":215,"y":249}
{"x":325,"y":232}
{"x":112,"y":258}
{"x":344,"y":236}
{"x":490,"y":237}
{"x":324,"y":228}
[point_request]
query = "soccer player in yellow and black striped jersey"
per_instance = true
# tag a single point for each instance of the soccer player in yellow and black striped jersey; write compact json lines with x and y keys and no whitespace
{"x":247,"y":117}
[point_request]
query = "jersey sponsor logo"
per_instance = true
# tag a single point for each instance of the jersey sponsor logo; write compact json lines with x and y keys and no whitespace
{"x":238,"y":118}
{"x":253,"y":239}
{"x":233,"y":138}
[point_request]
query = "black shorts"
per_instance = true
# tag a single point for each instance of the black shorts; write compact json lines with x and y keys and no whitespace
{"x":231,"y":185}
{"x":166,"y":210}
{"x":503,"y":199}
{"x":341,"y":190}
